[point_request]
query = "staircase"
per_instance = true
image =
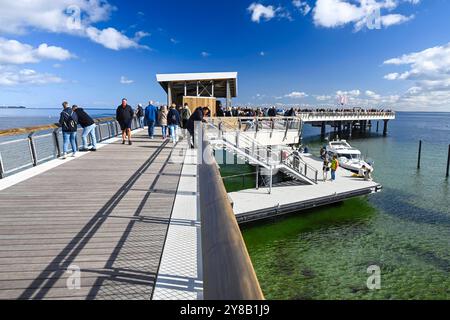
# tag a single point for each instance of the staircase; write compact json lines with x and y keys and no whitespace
{"x":248,"y":149}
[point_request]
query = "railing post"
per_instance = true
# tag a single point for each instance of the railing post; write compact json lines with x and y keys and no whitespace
{"x":420,"y":154}
{"x":32,"y":149}
{"x":2,"y":169}
{"x":448,"y":162}
{"x":109,"y":130}
{"x":117,"y":128}
{"x":56,"y":141}
{"x":257,"y":174}
{"x":271,"y":180}
{"x":100,"y":138}
{"x":306,"y":169}
{"x":287,"y":129}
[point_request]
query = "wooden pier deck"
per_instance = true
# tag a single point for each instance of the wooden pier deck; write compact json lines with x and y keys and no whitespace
{"x":107,"y":213}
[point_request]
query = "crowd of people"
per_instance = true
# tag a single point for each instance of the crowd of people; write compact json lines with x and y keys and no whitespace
{"x":286,"y":112}
{"x":169,"y":119}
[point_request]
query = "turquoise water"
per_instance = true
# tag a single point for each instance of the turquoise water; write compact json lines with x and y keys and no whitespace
{"x":405,"y":229}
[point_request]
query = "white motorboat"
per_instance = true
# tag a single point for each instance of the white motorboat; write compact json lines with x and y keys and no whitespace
{"x":349,"y":157}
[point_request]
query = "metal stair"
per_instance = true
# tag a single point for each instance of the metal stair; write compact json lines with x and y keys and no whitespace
{"x":248,"y":149}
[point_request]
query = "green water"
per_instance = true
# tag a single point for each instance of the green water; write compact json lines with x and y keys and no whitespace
{"x":405,"y":229}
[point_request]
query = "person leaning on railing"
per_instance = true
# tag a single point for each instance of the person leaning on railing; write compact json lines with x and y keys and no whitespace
{"x":69,"y":123}
{"x":88,"y":125}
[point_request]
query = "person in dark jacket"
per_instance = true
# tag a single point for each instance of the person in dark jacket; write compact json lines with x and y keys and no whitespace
{"x":88,"y":125}
{"x":140,"y":115}
{"x":125,"y":115}
{"x":198,"y":116}
{"x":69,"y":124}
{"x":173,"y":121}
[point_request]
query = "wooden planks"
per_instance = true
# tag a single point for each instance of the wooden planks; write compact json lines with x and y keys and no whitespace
{"x":107,"y":213}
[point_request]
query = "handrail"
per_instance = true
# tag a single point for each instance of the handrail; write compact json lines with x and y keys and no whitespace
{"x":228,"y":272}
{"x":27,"y":130}
{"x":37,"y":153}
{"x":308,"y":167}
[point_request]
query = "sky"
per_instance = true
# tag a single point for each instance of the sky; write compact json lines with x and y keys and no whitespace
{"x":377,"y":53}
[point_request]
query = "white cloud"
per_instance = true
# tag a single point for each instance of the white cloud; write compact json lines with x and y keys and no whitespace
{"x":45,"y":51}
{"x":75,"y":17}
{"x":124,"y":80}
{"x":323,"y":97}
{"x":393,"y":19}
{"x":302,"y":6}
{"x":111,"y":38}
{"x":11,"y":76}
{"x":429,"y":72}
{"x":296,"y":95}
{"x":262,"y":53}
{"x":205,"y":54}
{"x":15,"y":52}
{"x":351,"y":93}
{"x":260,"y":11}
{"x":429,"y":68}
{"x":372,"y":94}
{"x":336,"y":13}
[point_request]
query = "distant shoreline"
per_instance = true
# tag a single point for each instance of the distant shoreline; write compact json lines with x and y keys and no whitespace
{"x":12,"y":107}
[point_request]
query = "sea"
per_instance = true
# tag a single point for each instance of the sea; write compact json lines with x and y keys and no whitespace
{"x":390,"y":245}
{"x":331,"y":252}
{"x":27,"y":117}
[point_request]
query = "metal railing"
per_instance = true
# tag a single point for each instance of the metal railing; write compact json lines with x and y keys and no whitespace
{"x":295,"y":162}
{"x":228,"y":273}
{"x":345,"y":115}
{"x":36,"y":145}
{"x":224,"y":136}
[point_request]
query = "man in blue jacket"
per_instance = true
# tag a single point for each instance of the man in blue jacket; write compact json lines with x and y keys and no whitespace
{"x":151,"y":115}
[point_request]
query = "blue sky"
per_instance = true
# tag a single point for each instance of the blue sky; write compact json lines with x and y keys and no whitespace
{"x":390,"y":53}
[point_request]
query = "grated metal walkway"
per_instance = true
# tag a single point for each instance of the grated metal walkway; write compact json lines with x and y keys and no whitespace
{"x":106,"y":213}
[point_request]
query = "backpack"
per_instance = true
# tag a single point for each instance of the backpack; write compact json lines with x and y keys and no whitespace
{"x":185,"y":114}
{"x":69,"y":124}
{"x":173,"y":118}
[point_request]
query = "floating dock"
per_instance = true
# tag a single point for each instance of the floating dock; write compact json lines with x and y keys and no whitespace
{"x":251,"y":205}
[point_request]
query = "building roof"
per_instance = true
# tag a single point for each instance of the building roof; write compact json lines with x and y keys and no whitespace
{"x":179,"y":80}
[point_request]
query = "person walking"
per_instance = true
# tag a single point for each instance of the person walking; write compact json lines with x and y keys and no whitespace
{"x":325,"y":169}
{"x":185,"y":115}
{"x":334,"y":167}
{"x":198,"y":116}
{"x":140,"y":115}
{"x":173,"y":120}
{"x":88,"y":125}
{"x":124,"y":115}
{"x":151,"y":116}
{"x":162,"y":121}
{"x":69,"y":124}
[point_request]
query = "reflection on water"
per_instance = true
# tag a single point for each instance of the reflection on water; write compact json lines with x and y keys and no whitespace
{"x":324,"y":254}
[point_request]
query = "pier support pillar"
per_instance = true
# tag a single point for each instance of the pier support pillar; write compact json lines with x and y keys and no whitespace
{"x":323,"y":131}
{"x":378,"y":126}
{"x":350,"y":129}
{"x":340,"y":129}
{"x":385,"y":129}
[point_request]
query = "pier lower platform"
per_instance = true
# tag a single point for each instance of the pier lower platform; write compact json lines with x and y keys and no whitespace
{"x":252,"y":205}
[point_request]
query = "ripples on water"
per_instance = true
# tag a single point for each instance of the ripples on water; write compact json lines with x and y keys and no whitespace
{"x":405,"y":229}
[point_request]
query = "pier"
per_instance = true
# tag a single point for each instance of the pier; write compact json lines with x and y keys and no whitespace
{"x":147,"y":221}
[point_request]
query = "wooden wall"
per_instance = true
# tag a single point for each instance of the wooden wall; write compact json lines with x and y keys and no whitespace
{"x":195,"y":102}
